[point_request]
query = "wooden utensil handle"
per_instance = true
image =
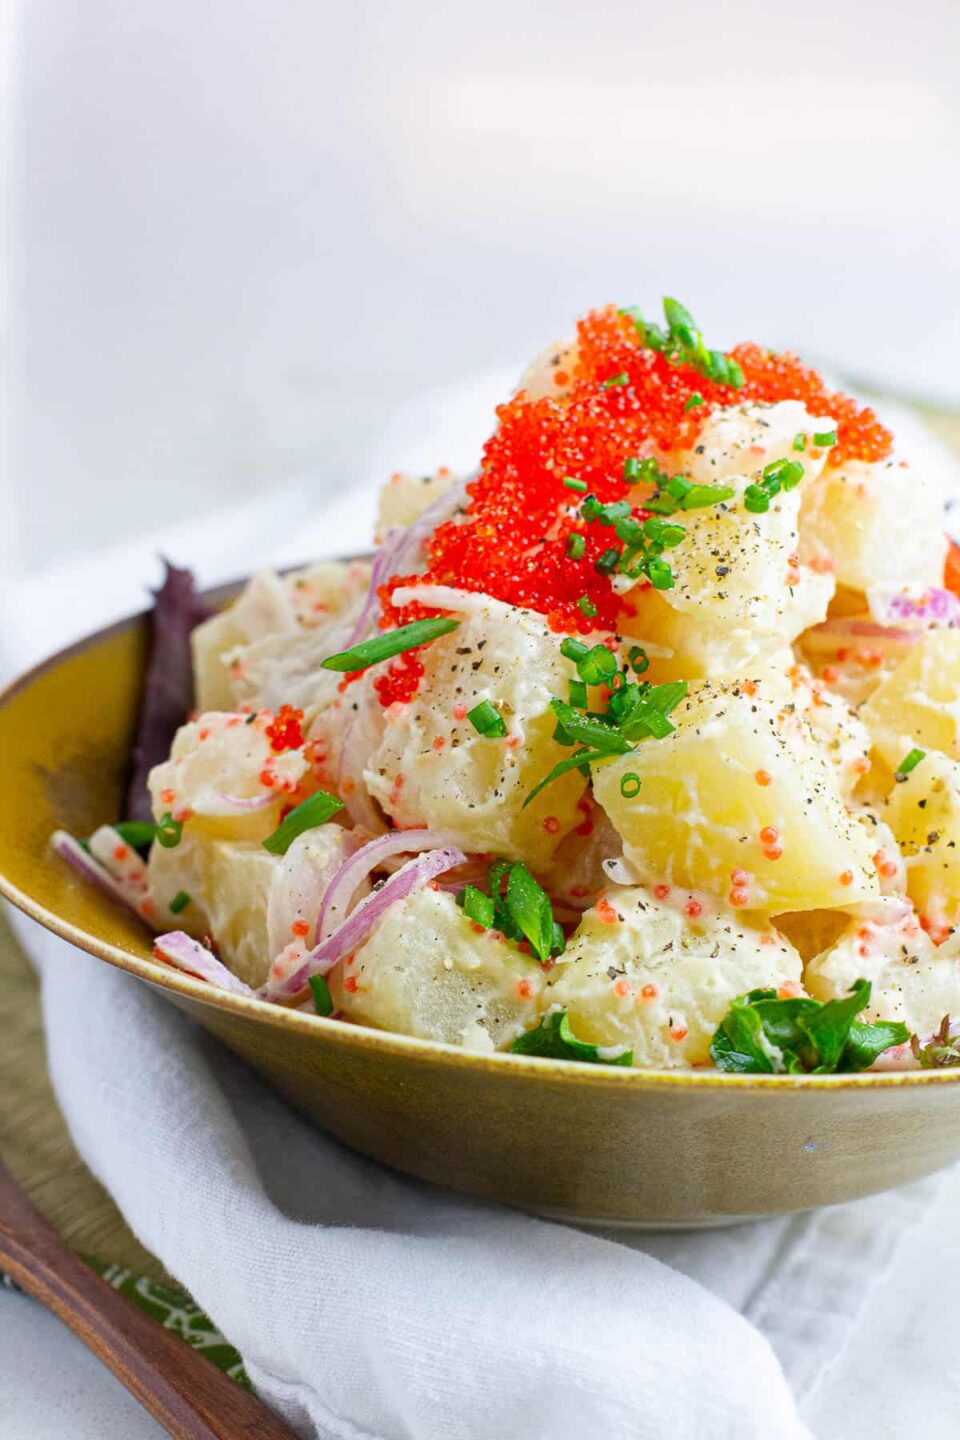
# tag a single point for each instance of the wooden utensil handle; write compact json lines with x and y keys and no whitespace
{"x":187,"y":1394}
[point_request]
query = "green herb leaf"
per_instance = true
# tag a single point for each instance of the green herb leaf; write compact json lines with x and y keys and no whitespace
{"x":577,"y":761}
{"x":390,"y":643}
{"x":310,"y":813}
{"x":487,"y":720}
{"x":761,"y":1034}
{"x":554,"y":1039}
{"x":595,"y":733}
{"x":322,"y":999}
{"x":179,"y":902}
{"x":942,"y":1050}
{"x":476,"y":906}
{"x":530,"y":909}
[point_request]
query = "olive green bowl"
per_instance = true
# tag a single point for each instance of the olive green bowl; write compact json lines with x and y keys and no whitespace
{"x":590,"y":1143}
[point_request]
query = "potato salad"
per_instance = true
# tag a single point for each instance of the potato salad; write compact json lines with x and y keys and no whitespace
{"x":638,"y":747}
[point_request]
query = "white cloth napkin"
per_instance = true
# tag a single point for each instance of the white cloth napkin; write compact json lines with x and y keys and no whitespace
{"x":370,"y":1307}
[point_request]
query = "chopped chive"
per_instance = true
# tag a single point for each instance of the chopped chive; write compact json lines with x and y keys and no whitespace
{"x":169,"y":831}
{"x":586,"y":607}
{"x":606,"y":563}
{"x":756,"y":500}
{"x":310,"y":813}
{"x":615,"y":380}
{"x":579,"y":760}
{"x":825,"y":438}
{"x":639,"y":659}
{"x":630,"y":785}
{"x":597,"y":665}
{"x":578,"y":694}
{"x":179,"y":902}
{"x":322,"y":999}
{"x":138,"y":834}
{"x":695,"y":399}
{"x":909,"y":762}
{"x":800,"y":441}
{"x":487,"y":720}
{"x":698,"y":497}
{"x":632,"y":471}
{"x":576,"y":545}
{"x":785,"y":473}
{"x":393,"y":642}
{"x":661,"y":576}
{"x":572,"y":484}
{"x":573,"y":649}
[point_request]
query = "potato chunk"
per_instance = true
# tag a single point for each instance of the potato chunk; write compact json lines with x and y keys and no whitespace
{"x":919,"y":704}
{"x":405,"y":497}
{"x":740,"y":594}
{"x":854,"y":520}
{"x":248,"y":899}
{"x":426,"y":971}
{"x":432,"y":766}
{"x":911,"y":978}
{"x":223,"y":755}
{"x":739,"y":800}
{"x":265,"y":648}
{"x":658,"y":975}
{"x":923,"y":811}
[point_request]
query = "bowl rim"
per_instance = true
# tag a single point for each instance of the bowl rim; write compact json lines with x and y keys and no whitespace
{"x":358,"y":1037}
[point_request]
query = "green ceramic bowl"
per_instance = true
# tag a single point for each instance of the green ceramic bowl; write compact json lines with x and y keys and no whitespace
{"x":590,"y":1143}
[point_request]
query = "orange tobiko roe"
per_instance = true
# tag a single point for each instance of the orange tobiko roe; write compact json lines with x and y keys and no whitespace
{"x":951,"y":570}
{"x":512,"y":544}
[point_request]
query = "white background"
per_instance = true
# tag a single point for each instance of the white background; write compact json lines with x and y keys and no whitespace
{"x":242,"y":234}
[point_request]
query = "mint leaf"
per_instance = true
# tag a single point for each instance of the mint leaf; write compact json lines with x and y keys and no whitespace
{"x":554,"y":1039}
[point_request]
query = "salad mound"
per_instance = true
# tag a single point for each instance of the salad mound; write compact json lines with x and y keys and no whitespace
{"x":638,"y":747}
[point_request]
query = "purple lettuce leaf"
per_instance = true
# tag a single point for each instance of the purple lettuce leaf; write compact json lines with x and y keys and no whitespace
{"x":168,"y":685}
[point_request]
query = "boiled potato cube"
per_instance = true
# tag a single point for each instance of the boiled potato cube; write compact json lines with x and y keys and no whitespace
{"x":658,"y":975}
{"x":741,"y":440}
{"x":740,"y":594}
{"x":739,"y":800}
{"x":911,"y":978}
{"x":872,"y":522}
{"x":426,"y":971}
{"x":405,"y":497}
{"x":258,"y":650}
{"x":842,"y":736}
{"x":220,"y":757}
{"x":923,"y":811}
{"x":919,"y":704}
{"x":432,"y":767}
{"x":248,"y":899}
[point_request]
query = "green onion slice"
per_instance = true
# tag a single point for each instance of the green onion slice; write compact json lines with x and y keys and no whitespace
{"x":179,"y":902}
{"x":322,"y":999}
{"x":392,"y":642}
{"x":487,"y":720}
{"x":910,"y":761}
{"x":169,"y":831}
{"x":138,"y":834}
{"x":630,"y":785}
{"x":315,"y":811}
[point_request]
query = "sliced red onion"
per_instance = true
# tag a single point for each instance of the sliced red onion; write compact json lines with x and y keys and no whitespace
{"x":223,"y":804}
{"x":913,"y":607}
{"x":106,"y":845}
{"x":412,"y":877}
{"x":73,"y":852}
{"x":343,"y":886}
{"x":828,"y":636}
{"x":408,"y":552}
{"x":360,"y":739}
{"x":384,"y":565}
{"x":188,"y":954}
